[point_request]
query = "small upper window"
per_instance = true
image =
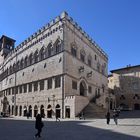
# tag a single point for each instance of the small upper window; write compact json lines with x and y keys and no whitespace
{"x":95,"y":57}
{"x":82,"y":55}
{"x":89,"y":60}
{"x":73,"y":49}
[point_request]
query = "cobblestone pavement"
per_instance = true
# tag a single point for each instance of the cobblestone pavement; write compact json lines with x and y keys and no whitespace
{"x":17,"y":129}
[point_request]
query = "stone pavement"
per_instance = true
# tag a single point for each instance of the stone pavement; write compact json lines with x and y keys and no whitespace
{"x":17,"y":129}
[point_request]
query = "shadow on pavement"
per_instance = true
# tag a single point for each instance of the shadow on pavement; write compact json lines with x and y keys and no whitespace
{"x":64,"y":130}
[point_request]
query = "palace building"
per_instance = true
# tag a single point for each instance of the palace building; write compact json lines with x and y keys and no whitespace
{"x":56,"y":71}
{"x":125,"y":83}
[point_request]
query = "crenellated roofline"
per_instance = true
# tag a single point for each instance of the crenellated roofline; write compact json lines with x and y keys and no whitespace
{"x":63,"y":15}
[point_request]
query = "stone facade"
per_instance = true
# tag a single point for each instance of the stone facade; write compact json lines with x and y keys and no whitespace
{"x":56,"y":71}
{"x":126,"y":85}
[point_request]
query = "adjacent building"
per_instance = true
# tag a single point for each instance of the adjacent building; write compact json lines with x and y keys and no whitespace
{"x":56,"y":71}
{"x":125,"y":83}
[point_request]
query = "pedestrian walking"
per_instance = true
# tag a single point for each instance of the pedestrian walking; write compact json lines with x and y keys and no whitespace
{"x":108,"y":118}
{"x":81,"y":116}
{"x":115,"y":117}
{"x":38,"y":125}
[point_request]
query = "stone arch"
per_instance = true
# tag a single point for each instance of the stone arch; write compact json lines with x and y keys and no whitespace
{"x":83,"y":88}
{"x":42,"y":113}
{"x":49,"y":111}
{"x":35,"y":110}
{"x":58,"y":111}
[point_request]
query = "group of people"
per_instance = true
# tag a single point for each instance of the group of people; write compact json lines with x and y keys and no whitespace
{"x":115,"y":116}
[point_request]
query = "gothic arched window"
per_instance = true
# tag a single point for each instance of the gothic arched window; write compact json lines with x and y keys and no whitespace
{"x":26,"y":61}
{"x":36,"y":56}
{"x":57,"y":46}
{"x":50,"y":50}
{"x":31,"y":59}
{"x":42,"y":53}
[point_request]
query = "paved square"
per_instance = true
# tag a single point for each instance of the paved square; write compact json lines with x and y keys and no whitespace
{"x":127,"y":129}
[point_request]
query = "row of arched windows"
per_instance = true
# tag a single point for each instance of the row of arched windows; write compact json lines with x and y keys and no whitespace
{"x":38,"y":55}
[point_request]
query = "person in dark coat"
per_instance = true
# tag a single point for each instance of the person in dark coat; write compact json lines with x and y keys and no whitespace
{"x":108,"y":118}
{"x":38,"y":125}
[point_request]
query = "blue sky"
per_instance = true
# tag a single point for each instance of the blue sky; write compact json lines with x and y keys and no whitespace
{"x":113,"y":24}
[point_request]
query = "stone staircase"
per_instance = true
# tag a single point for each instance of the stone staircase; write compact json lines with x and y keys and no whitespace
{"x":94,"y":111}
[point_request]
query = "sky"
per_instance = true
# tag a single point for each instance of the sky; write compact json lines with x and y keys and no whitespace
{"x":113,"y":24}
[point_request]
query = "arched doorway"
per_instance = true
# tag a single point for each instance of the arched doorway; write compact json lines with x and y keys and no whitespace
{"x":35,"y":110}
{"x":30,"y":111}
{"x":137,"y":106}
{"x":20,"y":110}
{"x":9,"y":110}
{"x":25,"y":111}
{"x":83,"y":89}
{"x":5,"y":106}
{"x":42,"y":111}
{"x":67,"y":112}
{"x":58,"y":111}
{"x":12,"y":110}
{"x":49,"y":111}
{"x":16,"y":111}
